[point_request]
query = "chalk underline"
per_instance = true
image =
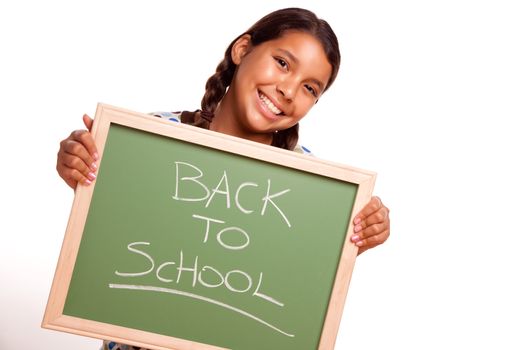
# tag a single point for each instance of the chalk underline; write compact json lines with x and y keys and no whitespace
{"x":198,"y":297}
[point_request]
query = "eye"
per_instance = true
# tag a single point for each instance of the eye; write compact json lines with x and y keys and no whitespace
{"x":281,"y":62}
{"x":311,"y":90}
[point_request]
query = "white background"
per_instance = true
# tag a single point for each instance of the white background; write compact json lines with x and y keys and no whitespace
{"x":430,"y":95}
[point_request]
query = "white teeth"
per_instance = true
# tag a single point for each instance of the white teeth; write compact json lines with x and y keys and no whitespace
{"x":269,"y":104}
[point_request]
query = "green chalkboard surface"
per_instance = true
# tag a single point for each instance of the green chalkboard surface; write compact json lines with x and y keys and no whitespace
{"x":192,"y":242}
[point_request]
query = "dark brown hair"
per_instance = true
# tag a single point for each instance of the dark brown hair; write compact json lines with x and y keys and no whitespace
{"x":270,"y":27}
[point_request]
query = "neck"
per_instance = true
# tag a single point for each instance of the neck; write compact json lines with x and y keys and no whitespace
{"x":224,"y":121}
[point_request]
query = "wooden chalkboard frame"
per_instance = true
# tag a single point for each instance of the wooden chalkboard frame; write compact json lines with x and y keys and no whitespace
{"x":107,"y":115}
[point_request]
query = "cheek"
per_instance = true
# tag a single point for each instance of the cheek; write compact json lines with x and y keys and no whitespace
{"x":268,"y":72}
{"x":256,"y":71}
{"x":305,"y":105}
{"x":265,"y":69}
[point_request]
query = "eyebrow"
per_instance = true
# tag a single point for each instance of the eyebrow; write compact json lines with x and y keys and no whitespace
{"x":294,"y":59}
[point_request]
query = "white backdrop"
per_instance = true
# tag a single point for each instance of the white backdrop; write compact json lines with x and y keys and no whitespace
{"x":429,"y":95}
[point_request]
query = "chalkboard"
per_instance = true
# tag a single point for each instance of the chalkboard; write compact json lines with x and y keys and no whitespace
{"x":191,"y":239}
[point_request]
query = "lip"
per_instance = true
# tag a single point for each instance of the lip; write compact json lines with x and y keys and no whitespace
{"x":265,"y":111}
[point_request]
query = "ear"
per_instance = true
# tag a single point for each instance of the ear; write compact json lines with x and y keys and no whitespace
{"x":240,"y":48}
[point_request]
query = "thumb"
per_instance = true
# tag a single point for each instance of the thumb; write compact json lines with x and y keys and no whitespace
{"x":88,"y":122}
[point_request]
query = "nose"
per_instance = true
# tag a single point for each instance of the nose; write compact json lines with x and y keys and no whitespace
{"x":287,"y":89}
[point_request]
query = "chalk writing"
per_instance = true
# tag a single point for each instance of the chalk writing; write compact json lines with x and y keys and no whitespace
{"x":199,"y":297}
{"x":190,"y":187}
{"x":195,"y":273}
{"x":219,"y":235}
{"x":192,"y":180}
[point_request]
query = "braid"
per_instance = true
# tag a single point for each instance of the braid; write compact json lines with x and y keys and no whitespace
{"x":287,"y":138}
{"x":218,"y":83}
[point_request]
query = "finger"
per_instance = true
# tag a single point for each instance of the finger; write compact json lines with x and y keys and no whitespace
{"x":378,"y":217}
{"x":374,"y":230}
{"x":72,"y":176}
{"x":87,"y":138}
{"x":362,"y":250}
{"x":371,"y":231}
{"x":376,"y":224}
{"x":75,"y":163}
{"x":371,"y":207}
{"x":374,"y":240}
{"x":74,"y":155}
{"x":72,"y":167}
{"x":65,"y":176}
{"x":373,"y":225}
{"x":88,"y":122}
{"x":87,"y":143}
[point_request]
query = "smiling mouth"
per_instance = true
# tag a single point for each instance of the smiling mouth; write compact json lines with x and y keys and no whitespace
{"x":269,"y":104}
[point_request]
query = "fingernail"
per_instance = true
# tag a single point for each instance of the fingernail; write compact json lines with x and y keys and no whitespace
{"x":354,"y":238}
{"x":87,"y":182}
{"x":357,"y":220}
{"x":357,"y":228}
{"x":360,"y":243}
{"x":92,"y":176}
{"x":95,"y":155}
{"x":94,"y":166}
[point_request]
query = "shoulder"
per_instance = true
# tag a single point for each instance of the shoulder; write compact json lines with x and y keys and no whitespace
{"x":111,"y":345}
{"x":303,"y":150}
{"x":173,"y":116}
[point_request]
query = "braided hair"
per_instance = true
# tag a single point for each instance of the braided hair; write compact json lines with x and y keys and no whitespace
{"x":270,"y":27}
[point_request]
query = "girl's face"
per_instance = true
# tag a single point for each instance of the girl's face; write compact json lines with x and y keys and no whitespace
{"x":275,"y":84}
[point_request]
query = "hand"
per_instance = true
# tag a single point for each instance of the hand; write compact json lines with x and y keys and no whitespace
{"x":77,"y":156}
{"x":371,"y":225}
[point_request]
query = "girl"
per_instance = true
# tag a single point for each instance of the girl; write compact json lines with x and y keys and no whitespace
{"x":268,"y":80}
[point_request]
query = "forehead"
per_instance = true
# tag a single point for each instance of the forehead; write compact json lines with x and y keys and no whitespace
{"x":307,"y":49}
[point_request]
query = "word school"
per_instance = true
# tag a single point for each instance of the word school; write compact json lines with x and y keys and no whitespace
{"x":207,"y":276}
